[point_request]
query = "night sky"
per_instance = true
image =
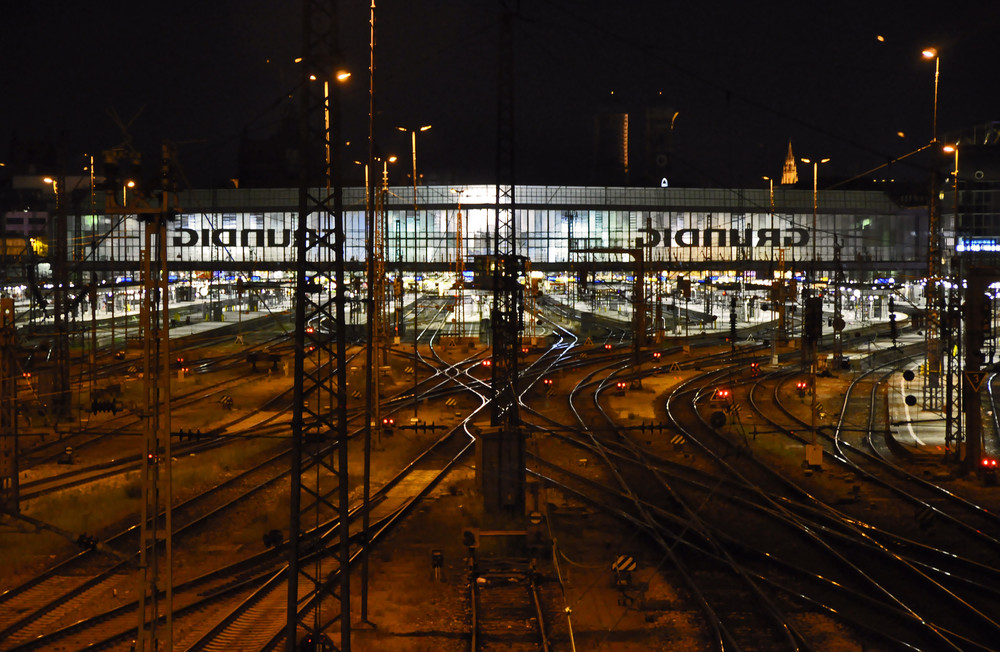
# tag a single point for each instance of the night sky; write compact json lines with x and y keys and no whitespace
{"x":745,"y":77}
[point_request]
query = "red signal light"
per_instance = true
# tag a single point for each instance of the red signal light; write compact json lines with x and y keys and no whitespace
{"x":620,"y":384}
{"x":720,"y":395}
{"x":388,"y":421}
{"x":607,"y":347}
{"x":487,"y":363}
{"x":310,"y":329}
{"x":989,"y":463}
{"x":656,"y":355}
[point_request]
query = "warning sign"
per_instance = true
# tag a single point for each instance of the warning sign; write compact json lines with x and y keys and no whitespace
{"x":624,"y":563}
{"x":975,"y":379}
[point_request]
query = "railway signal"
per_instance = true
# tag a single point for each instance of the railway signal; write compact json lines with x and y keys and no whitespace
{"x":801,"y":387}
{"x":721,"y":395}
{"x":988,"y":470}
{"x":607,"y":347}
{"x":620,"y":386}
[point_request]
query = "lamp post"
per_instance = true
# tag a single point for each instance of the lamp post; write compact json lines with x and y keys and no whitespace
{"x":413,"y":148}
{"x":340,"y":76}
{"x":416,"y":284}
{"x":778,"y":287}
{"x":128,"y":184}
{"x":953,"y":416}
{"x":815,"y":163}
{"x":813,"y":456}
{"x":932,"y":53}
{"x":934,"y":289}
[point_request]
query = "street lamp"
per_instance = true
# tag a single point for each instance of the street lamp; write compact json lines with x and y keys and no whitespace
{"x":413,"y":148}
{"x":55,"y":188}
{"x":953,"y":417}
{"x":932,"y":53}
{"x":779,"y":296}
{"x":416,"y":285}
{"x":813,"y":454}
{"x":815,"y":163}
{"x":934,"y":291}
{"x":340,"y":76}
{"x":128,"y":184}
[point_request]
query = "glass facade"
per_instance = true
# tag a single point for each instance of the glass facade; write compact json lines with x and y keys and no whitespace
{"x":557,"y":227}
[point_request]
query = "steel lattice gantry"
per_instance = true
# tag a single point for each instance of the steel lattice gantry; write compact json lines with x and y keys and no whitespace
{"x":504,"y":492}
{"x":9,"y":489}
{"x":318,"y":550}
{"x":155,"y":590}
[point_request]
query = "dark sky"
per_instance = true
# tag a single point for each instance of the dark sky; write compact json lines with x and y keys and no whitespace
{"x":745,"y":77}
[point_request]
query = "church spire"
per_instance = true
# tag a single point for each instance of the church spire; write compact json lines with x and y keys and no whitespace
{"x":789,"y":174}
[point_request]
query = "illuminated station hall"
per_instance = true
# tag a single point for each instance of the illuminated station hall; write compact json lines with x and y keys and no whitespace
{"x":697,"y":249}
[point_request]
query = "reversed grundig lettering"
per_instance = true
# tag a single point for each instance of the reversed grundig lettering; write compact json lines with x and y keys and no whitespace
{"x":794,"y":237}
{"x":250,"y":237}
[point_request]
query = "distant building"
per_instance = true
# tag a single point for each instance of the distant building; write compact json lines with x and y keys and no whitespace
{"x":976,"y":196}
{"x":635,"y":148}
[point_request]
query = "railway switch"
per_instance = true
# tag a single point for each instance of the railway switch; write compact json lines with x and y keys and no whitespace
{"x":87,"y":541}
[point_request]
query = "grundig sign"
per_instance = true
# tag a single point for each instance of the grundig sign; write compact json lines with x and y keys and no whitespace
{"x":794,"y":237}
{"x":277,"y":238}
{"x":282,"y":238}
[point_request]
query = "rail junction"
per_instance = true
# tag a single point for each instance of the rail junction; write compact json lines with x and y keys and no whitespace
{"x":494,"y":416}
